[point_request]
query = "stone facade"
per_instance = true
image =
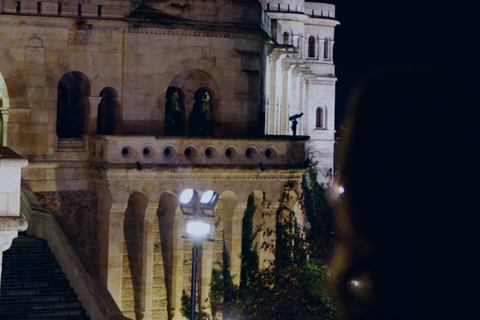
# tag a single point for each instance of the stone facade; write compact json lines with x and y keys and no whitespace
{"x":121,"y":105}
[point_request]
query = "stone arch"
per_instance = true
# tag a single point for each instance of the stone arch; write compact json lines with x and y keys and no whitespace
{"x":320,"y":117}
{"x":135,"y":238}
{"x":13,"y":92}
{"x":193,"y":79}
{"x":72,"y":105}
{"x":191,"y":74}
{"x":109,"y":119}
{"x":174,"y":112}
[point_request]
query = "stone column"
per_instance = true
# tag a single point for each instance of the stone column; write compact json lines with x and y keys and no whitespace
{"x":110,"y":233}
{"x":147,"y":267}
{"x":176,"y":269}
{"x":11,"y":221}
{"x":233,"y":239}
{"x":4,"y":127}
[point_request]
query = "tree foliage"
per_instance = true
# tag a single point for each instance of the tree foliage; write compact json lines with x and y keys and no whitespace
{"x":295,"y":285}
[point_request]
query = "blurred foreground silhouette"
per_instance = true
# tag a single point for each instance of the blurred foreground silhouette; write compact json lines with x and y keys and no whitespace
{"x":407,"y":220}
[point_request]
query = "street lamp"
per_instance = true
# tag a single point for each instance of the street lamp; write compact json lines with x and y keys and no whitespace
{"x":196,"y":228}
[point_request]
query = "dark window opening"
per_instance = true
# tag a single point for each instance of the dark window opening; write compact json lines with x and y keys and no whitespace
{"x":174,"y":112}
{"x":79,"y":9}
{"x":286,"y":39}
{"x":319,"y":118}
{"x":109,"y":119}
{"x":73,"y":90}
{"x":99,"y":12}
{"x":18,"y":6}
{"x":201,"y":117}
{"x":59,"y":8}
{"x":311,"y":47}
{"x":325,"y":49}
{"x":39,"y":7}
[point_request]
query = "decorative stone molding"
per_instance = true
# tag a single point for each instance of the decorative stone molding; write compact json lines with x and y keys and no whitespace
{"x":130,"y":150}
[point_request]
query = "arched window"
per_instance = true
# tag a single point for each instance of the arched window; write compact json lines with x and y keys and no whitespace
{"x":325,"y":49}
{"x":320,"y":119}
{"x":174,"y":112}
{"x":109,"y":119}
{"x":73,"y":89}
{"x":286,"y":38}
{"x":201,"y":117}
{"x":311,"y":47}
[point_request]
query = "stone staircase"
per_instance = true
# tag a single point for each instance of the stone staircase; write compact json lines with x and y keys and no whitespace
{"x":33,"y":285}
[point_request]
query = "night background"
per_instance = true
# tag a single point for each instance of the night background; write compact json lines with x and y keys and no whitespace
{"x":373,"y":34}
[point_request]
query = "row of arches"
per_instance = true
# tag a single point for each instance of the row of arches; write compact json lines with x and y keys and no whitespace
{"x":72,"y":110}
{"x":137,"y":232}
{"x":311,"y":46}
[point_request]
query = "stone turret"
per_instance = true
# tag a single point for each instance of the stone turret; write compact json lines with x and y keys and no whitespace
{"x":11,"y":220}
{"x":301,"y":75}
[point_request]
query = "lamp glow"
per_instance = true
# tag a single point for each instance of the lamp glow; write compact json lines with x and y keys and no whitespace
{"x":186,"y":196}
{"x":341,"y":190}
{"x":208,"y":197}
{"x":199,"y":228}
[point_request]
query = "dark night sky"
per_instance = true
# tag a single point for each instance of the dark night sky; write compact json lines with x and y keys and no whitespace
{"x":377,"y":33}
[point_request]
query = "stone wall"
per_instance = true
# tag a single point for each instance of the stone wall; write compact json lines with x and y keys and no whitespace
{"x":76,"y":213}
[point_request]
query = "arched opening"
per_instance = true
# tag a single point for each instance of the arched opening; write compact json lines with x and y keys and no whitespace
{"x":174,"y":112}
{"x":109,"y":119}
{"x":201,"y":117}
{"x":319,"y":119}
{"x":325,"y":49}
{"x":311,"y":47}
{"x":134,"y":232}
{"x":4,"y":105}
{"x":286,"y":38}
{"x":73,"y":90}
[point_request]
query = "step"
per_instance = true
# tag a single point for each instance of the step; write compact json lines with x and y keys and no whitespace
{"x":21,"y":317}
{"x":37,"y":291}
{"x":29,"y":257}
{"x":28,"y":314}
{"x":13,"y":300}
{"x":30,"y":270}
{"x":34,"y":285}
{"x":16,"y":264}
{"x":40,"y":306}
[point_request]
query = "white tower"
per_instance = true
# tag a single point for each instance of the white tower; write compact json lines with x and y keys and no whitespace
{"x":300,"y":75}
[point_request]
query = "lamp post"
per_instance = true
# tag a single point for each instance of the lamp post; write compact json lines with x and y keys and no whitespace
{"x":196,"y":228}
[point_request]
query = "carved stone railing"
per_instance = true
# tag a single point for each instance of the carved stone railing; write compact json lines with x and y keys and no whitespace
{"x":312,"y":9}
{"x":274,"y":151}
{"x":94,"y":297}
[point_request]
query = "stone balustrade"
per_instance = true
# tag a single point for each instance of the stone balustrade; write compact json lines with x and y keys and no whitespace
{"x":312,"y":9}
{"x":92,"y":9}
{"x":198,"y":151}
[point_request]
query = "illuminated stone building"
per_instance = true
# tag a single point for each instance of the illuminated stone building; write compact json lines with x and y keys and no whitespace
{"x":120,"y":105}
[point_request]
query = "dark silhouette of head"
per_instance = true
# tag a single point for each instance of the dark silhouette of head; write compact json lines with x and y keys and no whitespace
{"x":407,"y":218}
